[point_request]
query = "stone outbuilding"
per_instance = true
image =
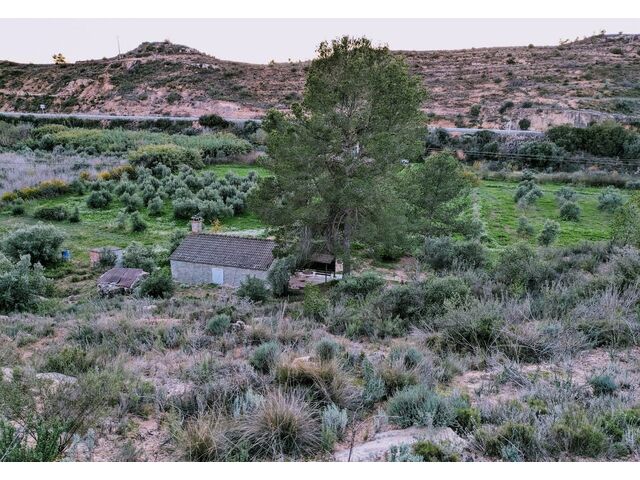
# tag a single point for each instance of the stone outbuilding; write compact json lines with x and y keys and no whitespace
{"x":120,"y":280}
{"x":204,"y":258}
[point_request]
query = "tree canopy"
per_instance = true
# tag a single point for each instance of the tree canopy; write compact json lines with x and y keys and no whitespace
{"x":335,"y":157}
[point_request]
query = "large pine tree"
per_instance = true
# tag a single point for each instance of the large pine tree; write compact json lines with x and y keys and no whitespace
{"x":334,"y":158}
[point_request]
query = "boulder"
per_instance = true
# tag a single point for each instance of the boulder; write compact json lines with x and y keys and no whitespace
{"x":379,"y":445}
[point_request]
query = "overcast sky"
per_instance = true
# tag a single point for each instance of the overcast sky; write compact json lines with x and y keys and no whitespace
{"x":259,"y":41}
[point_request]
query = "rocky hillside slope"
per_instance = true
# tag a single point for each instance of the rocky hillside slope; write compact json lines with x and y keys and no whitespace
{"x":590,"y":79}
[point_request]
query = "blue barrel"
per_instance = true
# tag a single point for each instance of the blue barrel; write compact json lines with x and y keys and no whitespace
{"x":66,"y":255}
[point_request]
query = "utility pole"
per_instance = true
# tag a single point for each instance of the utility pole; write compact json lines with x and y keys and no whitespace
{"x":118,"y":40}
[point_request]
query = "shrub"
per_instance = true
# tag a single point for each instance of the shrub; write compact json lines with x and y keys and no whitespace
{"x":440,"y":292}
{"x":610,"y":199}
{"x":417,"y":405}
{"x":615,"y":424}
{"x":575,"y":433}
{"x":327,"y":349}
{"x":213,"y":121}
{"x":74,"y":215}
{"x":137,"y":223}
{"x":359,"y":286}
{"x":511,"y":441}
{"x":172,"y":156}
{"x":57,"y":213}
{"x":185,"y":208}
{"x":467,"y":419}
{"x":279,"y":275}
{"x":17,"y":207}
{"x":158,"y":284}
{"x":21,"y":284}
{"x":218,"y":324}
{"x":132,"y":203}
{"x":549,"y":233}
{"x":505,"y":106}
{"x":137,"y":255}
{"x":566,"y":194}
{"x":40,"y":242}
{"x":525,"y":228}
{"x":528,"y":192}
{"x":603,"y":384}
{"x":324,"y":383}
{"x":98,"y":199}
{"x":443,"y":252}
{"x":265,"y":357}
{"x":155,"y":206}
{"x":314,"y":305}
{"x":519,"y":266}
{"x":281,"y":425}
{"x":107,"y":258}
{"x":253,"y":288}
{"x":482,"y":331}
{"x":402,"y":453}
{"x":432,"y":452}
{"x":334,"y":425}
{"x":524,"y":124}
{"x":68,"y":361}
{"x":570,"y":211}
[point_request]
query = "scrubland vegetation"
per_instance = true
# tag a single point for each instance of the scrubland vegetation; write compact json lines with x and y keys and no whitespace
{"x":490,"y":309}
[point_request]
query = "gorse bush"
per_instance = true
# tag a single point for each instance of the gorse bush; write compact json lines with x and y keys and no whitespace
{"x":41,"y":242}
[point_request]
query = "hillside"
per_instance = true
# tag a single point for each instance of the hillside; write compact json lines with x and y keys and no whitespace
{"x":577,"y":82}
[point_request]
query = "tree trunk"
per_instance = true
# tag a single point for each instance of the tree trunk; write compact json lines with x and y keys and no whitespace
{"x":346,"y":247}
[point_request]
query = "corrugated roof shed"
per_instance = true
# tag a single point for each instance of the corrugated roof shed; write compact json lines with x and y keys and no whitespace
{"x":121,"y":277}
{"x":226,"y":251}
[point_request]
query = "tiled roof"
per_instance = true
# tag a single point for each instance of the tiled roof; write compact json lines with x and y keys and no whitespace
{"x":122,"y":277}
{"x":226,"y":251}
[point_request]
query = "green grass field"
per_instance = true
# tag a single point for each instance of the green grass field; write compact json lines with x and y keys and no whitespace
{"x":97,"y":227}
{"x":501,"y":214}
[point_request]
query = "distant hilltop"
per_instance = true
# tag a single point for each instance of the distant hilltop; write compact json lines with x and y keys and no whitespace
{"x":578,"y":82}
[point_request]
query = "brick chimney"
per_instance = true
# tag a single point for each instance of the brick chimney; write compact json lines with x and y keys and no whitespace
{"x":196,"y":224}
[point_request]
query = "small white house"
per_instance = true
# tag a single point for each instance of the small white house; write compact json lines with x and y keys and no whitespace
{"x":204,"y":258}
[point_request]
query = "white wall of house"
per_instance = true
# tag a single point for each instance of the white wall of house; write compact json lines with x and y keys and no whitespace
{"x":200,"y":273}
